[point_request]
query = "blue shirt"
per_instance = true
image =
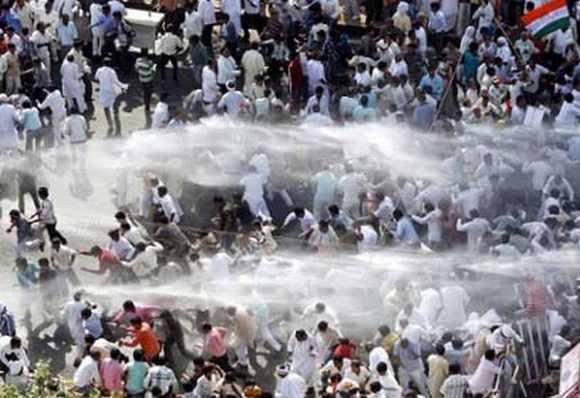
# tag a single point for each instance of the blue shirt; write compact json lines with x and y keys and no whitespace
{"x":423,"y":116}
{"x":436,"y":84}
{"x":93,"y":326}
{"x":406,"y":231}
{"x":67,"y":34}
{"x":410,"y":357}
{"x":28,"y":278}
{"x":109,"y":24}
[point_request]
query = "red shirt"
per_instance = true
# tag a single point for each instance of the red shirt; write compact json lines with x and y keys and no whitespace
{"x":345,"y":350}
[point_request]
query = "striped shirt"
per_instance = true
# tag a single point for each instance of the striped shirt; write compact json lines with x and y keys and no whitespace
{"x":454,"y":386}
{"x":145,"y":69}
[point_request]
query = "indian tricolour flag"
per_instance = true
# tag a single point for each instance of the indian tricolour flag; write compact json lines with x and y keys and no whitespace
{"x":547,"y":18}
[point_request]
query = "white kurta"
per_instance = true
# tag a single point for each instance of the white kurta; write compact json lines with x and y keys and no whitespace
{"x":8,"y":133}
{"x":72,"y":316}
{"x":291,"y":386}
{"x":253,"y":64}
{"x":72,"y":85}
{"x":109,"y":86}
{"x":454,"y":299}
{"x":234,"y":9}
{"x":209,"y":85}
{"x":304,"y":360}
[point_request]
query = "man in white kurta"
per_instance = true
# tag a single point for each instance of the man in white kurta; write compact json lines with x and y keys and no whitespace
{"x":454,"y":299}
{"x":209,"y":88}
{"x":253,"y":184}
{"x":71,"y":314}
{"x":8,"y":119}
{"x":109,"y":89}
{"x":303,"y":351}
{"x":41,"y":40}
{"x":253,"y":64}
{"x":56,"y":103}
{"x":72,"y":85}
{"x":234,"y":9}
{"x":290,"y":384}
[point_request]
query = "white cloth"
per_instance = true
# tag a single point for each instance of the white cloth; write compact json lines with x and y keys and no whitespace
{"x":209,"y":85}
{"x":87,"y":373}
{"x":304,"y":358}
{"x":72,"y":316}
{"x":291,"y":386}
{"x":8,"y":133}
{"x":454,"y":299}
{"x":160,"y":115}
{"x":207,"y":12}
{"x":109,"y":86}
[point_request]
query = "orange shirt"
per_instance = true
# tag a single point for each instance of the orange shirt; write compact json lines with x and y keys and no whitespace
{"x":145,"y":337}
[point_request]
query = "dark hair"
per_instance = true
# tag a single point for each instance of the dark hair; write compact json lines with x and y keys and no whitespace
{"x":139,"y":355}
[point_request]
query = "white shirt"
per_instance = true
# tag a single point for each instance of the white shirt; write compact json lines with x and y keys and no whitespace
{"x":46,"y":213}
{"x":122,"y":248}
{"x":454,"y":298}
{"x":232,"y":102}
{"x":261,"y":163}
{"x":56,"y":103}
{"x":209,"y":85}
{"x":72,"y":315}
{"x":225,"y":68}
{"x":475,"y":230}
{"x":253,"y":185}
{"x":369,"y":239}
{"x":433,"y":221}
{"x":160,"y":115}
{"x":170,"y":209}
{"x":145,"y":262}
{"x":568,"y":115}
{"x":20,"y":353}
{"x":291,"y":386}
{"x":193,"y":24}
{"x":8,"y":134}
{"x":430,"y":305}
{"x":306,"y":222}
{"x":207,"y":12}
{"x":540,"y":170}
{"x":87,"y":373}
{"x":63,"y":257}
{"x":109,"y":86}
{"x":75,"y":126}
{"x":170,"y":44}
{"x":484,"y":376}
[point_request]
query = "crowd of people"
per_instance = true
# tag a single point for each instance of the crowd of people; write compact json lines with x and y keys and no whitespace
{"x":440,"y":67}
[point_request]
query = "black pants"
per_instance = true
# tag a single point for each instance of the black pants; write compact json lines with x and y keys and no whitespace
{"x":147,"y":93}
{"x":163,"y":59}
{"x":54,"y":234}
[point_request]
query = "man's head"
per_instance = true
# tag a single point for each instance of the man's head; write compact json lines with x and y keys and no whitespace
{"x":206,"y":328}
{"x":21,"y":264}
{"x":301,"y":335}
{"x":129,"y":306}
{"x":382,"y":368}
{"x":136,"y":322}
{"x":15,"y":343}
{"x":86,"y":313}
{"x":43,"y":192}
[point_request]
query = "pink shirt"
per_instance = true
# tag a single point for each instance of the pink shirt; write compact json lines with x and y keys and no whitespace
{"x":215,"y":342}
{"x":145,"y":312}
{"x":112,"y":374}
